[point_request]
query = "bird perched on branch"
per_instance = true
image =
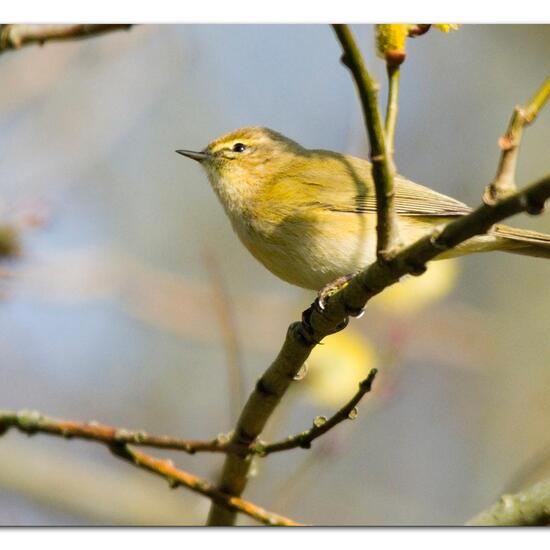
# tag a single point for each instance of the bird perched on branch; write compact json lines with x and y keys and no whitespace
{"x":309,"y":216}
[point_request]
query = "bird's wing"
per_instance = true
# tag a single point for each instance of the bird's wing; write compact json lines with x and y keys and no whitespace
{"x":342,"y":183}
{"x":412,"y":199}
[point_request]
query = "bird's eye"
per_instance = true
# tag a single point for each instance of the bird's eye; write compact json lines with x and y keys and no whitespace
{"x":239,"y":147}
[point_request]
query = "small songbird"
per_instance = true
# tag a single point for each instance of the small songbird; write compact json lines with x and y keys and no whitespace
{"x":309,"y":216}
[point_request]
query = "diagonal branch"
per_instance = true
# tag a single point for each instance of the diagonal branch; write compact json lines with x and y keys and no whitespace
{"x":505,"y":179}
{"x":387,"y":230}
{"x":31,"y":422}
{"x":13,"y":37}
{"x":177,"y":477}
{"x":304,"y":439}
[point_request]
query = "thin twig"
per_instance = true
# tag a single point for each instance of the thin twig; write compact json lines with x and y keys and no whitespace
{"x":505,"y":179}
{"x":233,"y":357}
{"x":13,"y":37}
{"x":177,"y":477}
{"x":304,"y":439}
{"x":529,"y":507}
{"x":387,"y":230}
{"x":32,"y":422}
{"x":116,"y":440}
{"x":391,"y":111}
{"x":317,"y":323}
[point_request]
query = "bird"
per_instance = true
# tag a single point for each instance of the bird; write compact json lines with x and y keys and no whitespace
{"x":309,"y":215}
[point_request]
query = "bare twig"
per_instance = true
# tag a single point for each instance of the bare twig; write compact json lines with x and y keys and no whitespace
{"x":13,"y":37}
{"x":32,"y":422}
{"x":116,"y":440}
{"x":177,"y":477}
{"x":321,"y":425}
{"x":387,"y":230}
{"x":505,"y":179}
{"x":391,"y":110}
{"x":229,"y":332}
{"x":529,"y":507}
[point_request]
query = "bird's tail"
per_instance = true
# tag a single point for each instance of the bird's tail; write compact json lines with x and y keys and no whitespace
{"x":522,"y":241}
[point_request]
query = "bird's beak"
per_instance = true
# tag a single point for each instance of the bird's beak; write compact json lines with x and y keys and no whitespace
{"x":195,"y":155}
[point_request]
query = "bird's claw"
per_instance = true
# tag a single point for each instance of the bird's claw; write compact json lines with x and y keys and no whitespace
{"x":330,"y":289}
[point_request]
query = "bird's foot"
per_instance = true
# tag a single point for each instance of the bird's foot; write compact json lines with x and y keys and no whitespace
{"x":330,"y":289}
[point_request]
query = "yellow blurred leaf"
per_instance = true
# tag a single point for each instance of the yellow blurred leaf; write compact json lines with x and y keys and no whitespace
{"x":415,"y":293}
{"x":337,"y":366}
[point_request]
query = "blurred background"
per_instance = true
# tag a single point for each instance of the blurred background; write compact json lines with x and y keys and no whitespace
{"x":132,"y":303}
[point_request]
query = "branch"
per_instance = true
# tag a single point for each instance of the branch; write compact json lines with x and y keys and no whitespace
{"x":304,"y":439}
{"x":505,"y":179}
{"x":529,"y":507}
{"x":176,"y":477}
{"x":32,"y":422}
{"x":382,"y":165}
{"x":13,"y":37}
{"x":317,"y":323}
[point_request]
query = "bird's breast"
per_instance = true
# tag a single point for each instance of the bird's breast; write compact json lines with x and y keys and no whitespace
{"x":309,"y":247}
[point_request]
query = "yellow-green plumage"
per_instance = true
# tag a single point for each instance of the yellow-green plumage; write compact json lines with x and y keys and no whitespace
{"x":309,"y":215}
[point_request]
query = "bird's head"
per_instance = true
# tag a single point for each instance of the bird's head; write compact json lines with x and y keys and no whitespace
{"x":243,"y":161}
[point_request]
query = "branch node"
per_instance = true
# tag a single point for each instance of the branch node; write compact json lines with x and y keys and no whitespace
{"x":366,"y":384}
{"x":415,"y":267}
{"x":173,"y":483}
{"x":345,"y":60}
{"x":504,"y":183}
{"x":524,"y":115}
{"x":343,"y":324}
{"x":28,"y":420}
{"x":304,"y":331}
{"x":264,"y":390}
{"x":437,"y":242}
{"x":356,"y":312}
{"x":67,"y":434}
{"x":418,"y":30}
{"x":532,"y":205}
{"x":121,"y":435}
{"x":506,"y":142}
